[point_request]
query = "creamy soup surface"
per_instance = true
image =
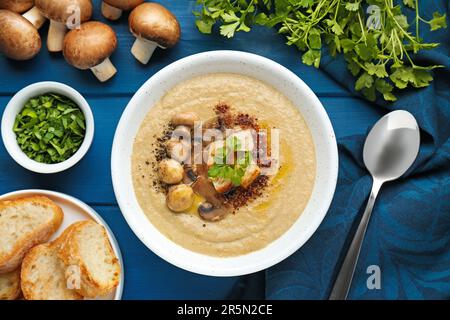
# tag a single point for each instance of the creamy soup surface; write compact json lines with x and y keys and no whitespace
{"x":263,"y":220}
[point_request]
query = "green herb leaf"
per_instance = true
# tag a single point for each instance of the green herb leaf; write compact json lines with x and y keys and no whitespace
{"x":352,"y":6}
{"x":364,"y":81}
{"x":230,"y":171}
{"x":228,"y":30}
{"x":376,"y":69}
{"x":312,"y":58}
{"x":439,"y":21}
{"x":409,"y":3}
{"x":314,"y":40}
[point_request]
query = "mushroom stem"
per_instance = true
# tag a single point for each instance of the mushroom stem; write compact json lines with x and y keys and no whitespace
{"x":143,"y":49}
{"x":104,"y":70}
{"x":55,"y":38}
{"x":35,"y":17}
{"x":110,"y":12}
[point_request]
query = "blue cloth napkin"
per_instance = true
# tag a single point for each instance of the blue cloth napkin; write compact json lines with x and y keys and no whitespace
{"x":409,"y":234}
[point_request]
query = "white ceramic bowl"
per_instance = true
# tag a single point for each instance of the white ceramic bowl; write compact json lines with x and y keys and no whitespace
{"x":250,"y":65}
{"x":16,"y":104}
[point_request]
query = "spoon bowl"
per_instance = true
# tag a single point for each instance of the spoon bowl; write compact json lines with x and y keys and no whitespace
{"x":392,"y":145}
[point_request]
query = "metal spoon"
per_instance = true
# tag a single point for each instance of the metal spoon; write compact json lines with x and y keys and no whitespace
{"x":390,"y":149}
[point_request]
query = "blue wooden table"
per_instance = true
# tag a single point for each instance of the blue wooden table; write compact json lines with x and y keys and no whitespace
{"x":146,"y":275}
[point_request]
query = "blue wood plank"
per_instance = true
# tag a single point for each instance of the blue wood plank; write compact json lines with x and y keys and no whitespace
{"x":131,"y":74}
{"x":149,"y":277}
{"x":90,"y":179}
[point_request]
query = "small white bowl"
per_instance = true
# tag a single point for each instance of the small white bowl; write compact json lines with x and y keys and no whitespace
{"x":281,"y":79}
{"x":16,"y":104}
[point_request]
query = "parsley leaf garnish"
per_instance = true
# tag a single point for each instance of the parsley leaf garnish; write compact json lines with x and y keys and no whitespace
{"x":230,"y":162}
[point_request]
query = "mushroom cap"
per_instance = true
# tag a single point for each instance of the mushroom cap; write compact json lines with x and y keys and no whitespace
{"x":62,"y":10}
{"x":153,"y":22}
{"x":124,"y":4}
{"x":18,"y":6}
{"x":19,"y":39}
{"x":89,"y":45}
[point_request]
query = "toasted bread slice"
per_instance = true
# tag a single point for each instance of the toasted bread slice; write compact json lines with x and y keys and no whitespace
{"x":44,"y":275}
{"x":24,"y":223}
{"x":10,"y":285}
{"x":87,"y":247}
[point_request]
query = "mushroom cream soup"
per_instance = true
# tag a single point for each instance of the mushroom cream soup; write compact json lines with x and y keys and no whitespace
{"x":223,"y":209}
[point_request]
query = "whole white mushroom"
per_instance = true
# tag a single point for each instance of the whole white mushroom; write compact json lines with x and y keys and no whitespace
{"x":170,"y":171}
{"x":180,"y":198}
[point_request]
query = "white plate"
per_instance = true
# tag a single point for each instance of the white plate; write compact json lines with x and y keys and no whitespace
{"x":76,"y":210}
{"x":262,"y":69}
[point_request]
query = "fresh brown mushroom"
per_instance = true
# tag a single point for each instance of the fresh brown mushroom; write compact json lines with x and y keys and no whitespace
{"x":112,"y":9}
{"x":153,"y":26}
{"x":170,"y":171}
{"x":90,"y":47}
{"x":26,"y":8}
{"x":180,"y":198}
{"x":35,"y":17}
{"x":63,"y":14}
{"x":19,"y":39}
{"x":19,"y":6}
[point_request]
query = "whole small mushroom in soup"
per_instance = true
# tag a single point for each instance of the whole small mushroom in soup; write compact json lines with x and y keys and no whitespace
{"x":187,"y":179}
{"x":19,"y":39}
{"x":170,"y":171}
{"x":90,"y":47}
{"x":26,"y":8}
{"x":63,"y":14}
{"x":153,"y":26}
{"x":180,"y":198}
{"x":112,"y":9}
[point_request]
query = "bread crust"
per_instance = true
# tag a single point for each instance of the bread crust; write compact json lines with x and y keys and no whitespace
{"x":10,"y":286}
{"x":11,"y":260}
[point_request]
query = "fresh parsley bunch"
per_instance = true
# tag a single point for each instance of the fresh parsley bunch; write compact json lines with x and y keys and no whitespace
{"x":380,"y":55}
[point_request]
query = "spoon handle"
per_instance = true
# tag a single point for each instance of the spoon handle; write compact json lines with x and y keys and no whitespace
{"x":345,"y":275}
